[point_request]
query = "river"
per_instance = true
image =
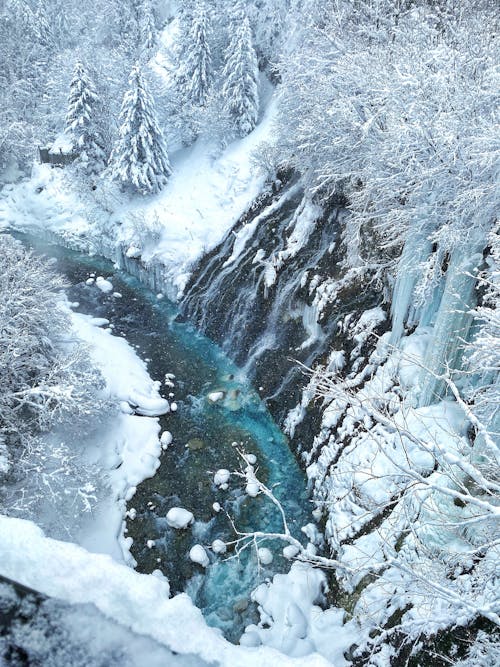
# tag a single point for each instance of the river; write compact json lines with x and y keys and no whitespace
{"x":203,"y":435}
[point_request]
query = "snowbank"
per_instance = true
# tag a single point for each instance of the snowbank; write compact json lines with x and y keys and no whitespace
{"x":137,"y":601}
{"x":292,"y":621}
{"x":128,"y":450}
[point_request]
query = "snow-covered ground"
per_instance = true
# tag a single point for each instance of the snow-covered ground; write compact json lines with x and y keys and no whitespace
{"x":136,"y":601}
{"x":128,"y":450}
{"x":209,"y":190}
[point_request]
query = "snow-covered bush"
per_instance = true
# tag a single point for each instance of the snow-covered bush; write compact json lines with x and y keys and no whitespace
{"x":44,"y":375}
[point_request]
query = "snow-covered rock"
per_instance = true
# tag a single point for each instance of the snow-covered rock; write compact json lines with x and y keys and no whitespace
{"x":221,"y":477}
{"x":215,"y":396}
{"x":290,"y":551}
{"x":198,"y":555}
{"x":265,"y":556}
{"x":166,"y":439}
{"x":179,"y":518}
{"x":219,"y":547}
{"x":252,"y":489}
{"x":104,"y":285}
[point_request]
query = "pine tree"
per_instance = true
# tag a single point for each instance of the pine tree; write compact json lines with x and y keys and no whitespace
{"x":140,"y":157}
{"x":81,"y":118}
{"x":147,"y":27}
{"x":195,"y":72}
{"x":240,"y":75}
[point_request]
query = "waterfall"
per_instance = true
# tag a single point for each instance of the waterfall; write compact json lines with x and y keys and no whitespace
{"x":253,"y":293}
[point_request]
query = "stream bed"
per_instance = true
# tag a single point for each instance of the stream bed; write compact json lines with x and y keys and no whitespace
{"x":204,"y":432}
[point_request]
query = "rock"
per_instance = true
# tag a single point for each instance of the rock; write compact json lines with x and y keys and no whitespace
{"x":225,"y":614}
{"x":195,"y":444}
{"x":240,"y":606}
{"x":179,"y":518}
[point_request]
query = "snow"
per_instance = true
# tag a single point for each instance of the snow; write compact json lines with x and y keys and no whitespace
{"x":62,"y":144}
{"x":136,"y":601}
{"x":56,"y":634}
{"x":127,"y":447}
{"x":133,"y":252}
{"x":292,"y":621}
{"x":198,"y":555}
{"x":127,"y":378}
{"x":179,"y":518}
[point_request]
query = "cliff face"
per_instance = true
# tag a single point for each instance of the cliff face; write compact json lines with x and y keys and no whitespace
{"x":265,"y":294}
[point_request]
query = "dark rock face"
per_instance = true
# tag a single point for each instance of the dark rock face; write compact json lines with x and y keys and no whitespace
{"x":257,"y":301}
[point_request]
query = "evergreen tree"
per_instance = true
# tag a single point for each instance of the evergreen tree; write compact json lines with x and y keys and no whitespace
{"x":195,"y":73}
{"x":148,"y":33}
{"x":81,"y":118}
{"x":240,"y":75}
{"x":140,"y":157}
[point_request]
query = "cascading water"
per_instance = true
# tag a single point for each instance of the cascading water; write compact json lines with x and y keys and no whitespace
{"x":252,"y":296}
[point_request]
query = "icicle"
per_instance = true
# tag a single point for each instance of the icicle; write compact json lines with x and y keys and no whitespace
{"x":453,"y":322}
{"x":416,"y":250}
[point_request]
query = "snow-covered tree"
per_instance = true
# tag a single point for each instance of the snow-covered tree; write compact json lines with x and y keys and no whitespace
{"x":42,"y":377}
{"x":82,"y":117}
{"x":139,"y":158}
{"x":240,"y":76}
{"x":147,"y":27}
{"x":195,"y":67}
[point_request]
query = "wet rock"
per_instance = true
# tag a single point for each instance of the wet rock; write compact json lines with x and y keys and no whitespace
{"x":240,"y":606}
{"x":195,"y":444}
